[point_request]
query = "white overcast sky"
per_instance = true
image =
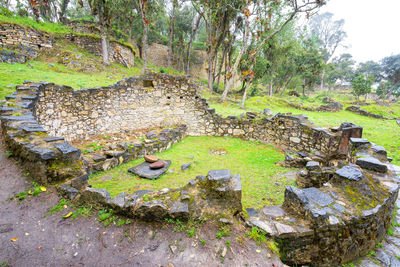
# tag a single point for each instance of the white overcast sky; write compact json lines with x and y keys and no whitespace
{"x":373,"y":27}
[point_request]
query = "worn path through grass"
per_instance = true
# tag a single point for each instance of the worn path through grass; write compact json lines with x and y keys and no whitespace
{"x":255,"y":162}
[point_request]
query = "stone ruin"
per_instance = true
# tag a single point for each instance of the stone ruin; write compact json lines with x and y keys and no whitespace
{"x":340,"y":210}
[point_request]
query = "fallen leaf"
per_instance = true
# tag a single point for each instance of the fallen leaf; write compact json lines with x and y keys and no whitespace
{"x":67,"y":215}
{"x":43,"y":188}
{"x":39,"y":247}
{"x":14,"y":239}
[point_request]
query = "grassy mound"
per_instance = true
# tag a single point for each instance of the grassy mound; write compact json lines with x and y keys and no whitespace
{"x":262,"y":182}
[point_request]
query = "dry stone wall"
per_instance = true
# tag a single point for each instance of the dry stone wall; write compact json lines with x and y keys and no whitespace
{"x":164,"y":101}
{"x":116,"y":52}
{"x":13,"y":35}
{"x":132,"y":104}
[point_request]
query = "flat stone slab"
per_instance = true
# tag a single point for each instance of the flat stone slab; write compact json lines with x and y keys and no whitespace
{"x":273,"y":211}
{"x":312,"y":166}
{"x":143,"y":170}
{"x":219,"y":175}
{"x":350,"y":173}
{"x":371,"y":163}
{"x":318,"y":197}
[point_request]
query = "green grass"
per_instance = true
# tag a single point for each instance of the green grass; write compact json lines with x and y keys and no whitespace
{"x":255,"y":162}
{"x":42,"y":26}
{"x":14,"y":74}
{"x":382,"y":132}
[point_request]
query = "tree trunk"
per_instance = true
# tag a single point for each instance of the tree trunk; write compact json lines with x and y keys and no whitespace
{"x":304,"y":87}
{"x":63,"y":9}
{"x":271,"y":86}
{"x":144,"y":47}
{"x":104,"y":48}
{"x":238,"y":59}
{"x":194,"y":30}
{"x":322,"y":80}
{"x":245,"y":93}
{"x":171,"y":32}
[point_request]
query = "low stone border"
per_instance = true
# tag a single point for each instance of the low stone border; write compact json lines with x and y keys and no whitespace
{"x":127,"y":151}
{"x":328,"y":107}
{"x":343,"y":210}
{"x":363,"y":112}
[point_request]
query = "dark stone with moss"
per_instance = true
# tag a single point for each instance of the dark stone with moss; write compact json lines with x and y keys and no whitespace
{"x":179,"y":210}
{"x":53,"y":139}
{"x":95,"y":197}
{"x":371,"y":163}
{"x":185,"y":166}
{"x":98,"y":158}
{"x":80,"y":181}
{"x":154,"y":210}
{"x":67,"y":191}
{"x":350,"y":173}
{"x":70,"y":152}
{"x":43,"y":153}
{"x":219,"y":175}
{"x":312,"y":166}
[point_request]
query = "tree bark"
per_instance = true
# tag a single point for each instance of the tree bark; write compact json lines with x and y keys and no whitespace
{"x":322,"y":80}
{"x":103,"y":34}
{"x":144,"y":47}
{"x":271,"y":82}
{"x":192,"y":36}
{"x":245,"y":93}
{"x":238,"y":59}
{"x":171,"y":32}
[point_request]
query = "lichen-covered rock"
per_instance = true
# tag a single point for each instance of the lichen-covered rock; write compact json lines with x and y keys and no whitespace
{"x":179,"y":210}
{"x":95,"y":197}
{"x":80,"y":181}
{"x":154,"y":210}
{"x":371,"y":163}
{"x":350,"y":173}
{"x":67,"y":191}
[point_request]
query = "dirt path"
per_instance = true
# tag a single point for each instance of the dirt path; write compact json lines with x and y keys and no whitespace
{"x":54,"y":241}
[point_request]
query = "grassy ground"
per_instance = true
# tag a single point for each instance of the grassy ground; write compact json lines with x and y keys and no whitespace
{"x":382,"y":132}
{"x":255,"y":162}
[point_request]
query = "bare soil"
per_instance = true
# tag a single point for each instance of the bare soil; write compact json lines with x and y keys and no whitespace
{"x":45,"y":240}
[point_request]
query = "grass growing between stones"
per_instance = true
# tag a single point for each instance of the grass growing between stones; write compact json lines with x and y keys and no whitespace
{"x":262,"y":183}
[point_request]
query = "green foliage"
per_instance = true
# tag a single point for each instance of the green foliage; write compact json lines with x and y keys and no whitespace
{"x":122,"y":222}
{"x":203,"y":242}
{"x":228,"y":243}
{"x":257,"y":235}
{"x":224,"y":230}
{"x":362,"y":85}
{"x":9,"y":153}
{"x":59,"y":207}
{"x":189,"y":227}
{"x":106,"y":217}
{"x":34,"y":190}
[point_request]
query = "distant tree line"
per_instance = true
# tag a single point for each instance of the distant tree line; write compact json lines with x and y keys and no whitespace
{"x":258,"y":42}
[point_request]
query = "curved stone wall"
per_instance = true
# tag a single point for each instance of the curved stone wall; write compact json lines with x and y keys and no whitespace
{"x":347,"y":188}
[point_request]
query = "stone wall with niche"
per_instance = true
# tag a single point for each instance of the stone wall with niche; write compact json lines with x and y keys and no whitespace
{"x":131,"y":104}
{"x":159,"y":100}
